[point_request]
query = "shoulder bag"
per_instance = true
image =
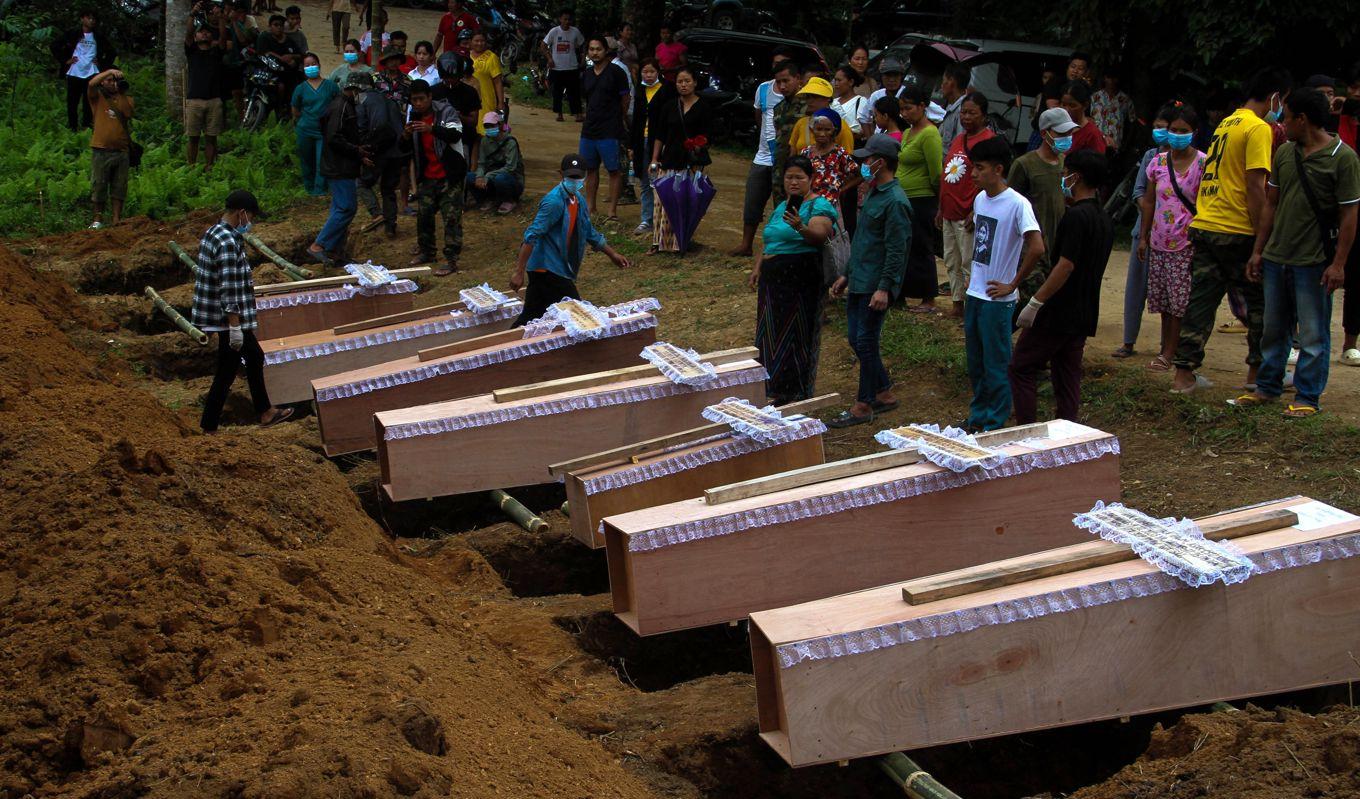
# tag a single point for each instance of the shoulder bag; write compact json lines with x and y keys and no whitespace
{"x":1176,"y":187}
{"x":1327,"y":224}
{"x":134,"y":149}
{"x":835,"y":253}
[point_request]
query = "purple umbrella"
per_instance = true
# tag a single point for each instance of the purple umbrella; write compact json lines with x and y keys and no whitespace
{"x":685,"y":197}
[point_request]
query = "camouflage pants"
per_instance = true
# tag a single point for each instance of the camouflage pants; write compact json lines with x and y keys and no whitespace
{"x":1220,"y":264}
{"x":445,"y":198}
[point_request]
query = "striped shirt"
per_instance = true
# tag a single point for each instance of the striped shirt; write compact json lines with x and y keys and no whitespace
{"x":223,"y":283}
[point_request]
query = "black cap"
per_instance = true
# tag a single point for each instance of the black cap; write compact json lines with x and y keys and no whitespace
{"x":573,"y":166}
{"x":242,"y":200}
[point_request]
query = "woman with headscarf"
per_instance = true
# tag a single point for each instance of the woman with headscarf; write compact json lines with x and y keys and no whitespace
{"x":834,"y":171}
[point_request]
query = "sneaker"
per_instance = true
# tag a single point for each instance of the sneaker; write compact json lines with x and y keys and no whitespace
{"x":1293,"y":357}
{"x":642,"y":228}
{"x":1351,"y":357}
{"x":505,"y":208}
{"x":96,"y":225}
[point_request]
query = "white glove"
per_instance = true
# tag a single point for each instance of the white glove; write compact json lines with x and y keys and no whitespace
{"x":1030,"y":311}
{"x":235,"y":339}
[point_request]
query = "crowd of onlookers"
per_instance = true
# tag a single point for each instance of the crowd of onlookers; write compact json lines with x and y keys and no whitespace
{"x":872,"y":175}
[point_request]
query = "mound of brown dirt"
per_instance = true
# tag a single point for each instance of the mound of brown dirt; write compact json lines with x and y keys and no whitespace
{"x":191,"y":616}
{"x":1251,"y":754}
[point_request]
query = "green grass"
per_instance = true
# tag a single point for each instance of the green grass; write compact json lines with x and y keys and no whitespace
{"x":930,"y":343}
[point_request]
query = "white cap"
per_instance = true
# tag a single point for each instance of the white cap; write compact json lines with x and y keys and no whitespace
{"x":1057,"y":120}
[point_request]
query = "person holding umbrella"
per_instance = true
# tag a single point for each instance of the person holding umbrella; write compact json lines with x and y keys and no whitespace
{"x":679,"y":155}
{"x":555,"y":244}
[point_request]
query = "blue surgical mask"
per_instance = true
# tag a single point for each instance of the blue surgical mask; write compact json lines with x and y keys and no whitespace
{"x":1159,"y":136}
{"x":351,"y":58}
{"x":573,"y":185}
{"x":491,"y":133}
{"x":312,"y":71}
{"x":865,"y":172}
{"x":1061,"y":144}
{"x":244,"y":229}
{"x":1066,"y":186}
{"x":1273,"y":115}
{"x":1179,"y":141}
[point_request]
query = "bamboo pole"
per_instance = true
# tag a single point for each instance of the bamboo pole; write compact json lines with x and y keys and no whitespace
{"x":183,"y":256}
{"x":175,"y":316}
{"x":518,"y":513}
{"x":294,"y":271}
{"x":912,"y":779}
{"x":566,"y":508}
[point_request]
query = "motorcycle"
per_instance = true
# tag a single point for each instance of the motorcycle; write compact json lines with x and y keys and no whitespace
{"x":513,"y":35}
{"x":263,"y":75}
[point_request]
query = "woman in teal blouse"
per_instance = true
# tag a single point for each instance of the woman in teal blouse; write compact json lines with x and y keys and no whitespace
{"x":788,"y":282}
{"x":310,"y":99}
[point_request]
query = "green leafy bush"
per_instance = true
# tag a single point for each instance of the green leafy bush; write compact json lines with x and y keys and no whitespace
{"x":45,"y":168}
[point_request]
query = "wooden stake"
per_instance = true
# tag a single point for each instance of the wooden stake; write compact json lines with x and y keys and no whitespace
{"x":613,"y":376}
{"x":468,"y":345}
{"x":397,"y":318}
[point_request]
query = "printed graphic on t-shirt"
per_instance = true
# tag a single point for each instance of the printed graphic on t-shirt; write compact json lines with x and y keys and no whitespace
{"x":984,"y":230}
{"x":563,"y":47}
{"x":955,"y":168}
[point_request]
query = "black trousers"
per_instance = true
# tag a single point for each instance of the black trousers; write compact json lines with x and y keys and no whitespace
{"x":544,"y":289}
{"x":386,"y":175}
{"x":76,"y":98}
{"x":568,"y":82}
{"x":1061,"y":353}
{"x":228,"y":362}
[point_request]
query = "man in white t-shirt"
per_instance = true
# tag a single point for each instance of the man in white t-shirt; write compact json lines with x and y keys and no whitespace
{"x":82,"y":53}
{"x":890,"y":72}
{"x":563,"y":46}
{"x":1006,"y":244}
{"x":760,"y":178}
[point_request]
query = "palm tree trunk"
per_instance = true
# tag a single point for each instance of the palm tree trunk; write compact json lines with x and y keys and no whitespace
{"x":176,"y":20}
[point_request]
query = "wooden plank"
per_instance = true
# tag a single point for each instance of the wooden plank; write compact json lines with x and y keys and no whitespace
{"x":481,"y":342}
{"x":613,"y":376}
{"x":669,"y":580}
{"x":852,"y":466}
{"x":1283,"y":630}
{"x":517,"y":451}
{"x":346,"y":422}
{"x":398,"y":318}
{"x":639,"y":448}
{"x":334,"y":280}
{"x":1074,"y":558}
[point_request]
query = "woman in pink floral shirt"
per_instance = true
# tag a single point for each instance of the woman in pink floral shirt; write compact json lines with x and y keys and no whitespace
{"x":833,"y":169}
{"x":1168,"y":209}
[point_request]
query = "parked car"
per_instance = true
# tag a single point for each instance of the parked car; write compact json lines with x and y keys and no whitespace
{"x":1009,"y":74}
{"x":726,"y":15}
{"x":874,"y":23}
{"x":731,"y":64}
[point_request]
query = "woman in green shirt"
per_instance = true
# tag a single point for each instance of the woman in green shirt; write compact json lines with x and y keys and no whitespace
{"x":310,"y":99}
{"x":788,"y":282}
{"x":353,"y":55}
{"x":918,"y":172}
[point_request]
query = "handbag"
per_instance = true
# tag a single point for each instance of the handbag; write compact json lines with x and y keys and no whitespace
{"x":835,"y":253}
{"x":1327,"y":225}
{"x":134,"y":149}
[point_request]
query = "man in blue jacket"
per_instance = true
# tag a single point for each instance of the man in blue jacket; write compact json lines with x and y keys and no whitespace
{"x":555,"y":243}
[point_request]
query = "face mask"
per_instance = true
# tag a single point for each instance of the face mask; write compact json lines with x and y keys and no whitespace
{"x":1061,"y":144}
{"x":1273,"y":115}
{"x":491,"y":133}
{"x":351,"y":58}
{"x":1066,"y":187}
{"x":649,"y":83}
{"x":244,"y":229}
{"x":1159,"y":136}
{"x":573,"y":185}
{"x":312,"y":71}
{"x":1179,"y":141}
{"x":590,"y":63}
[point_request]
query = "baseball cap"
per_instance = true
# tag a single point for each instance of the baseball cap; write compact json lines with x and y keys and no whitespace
{"x":573,"y":166}
{"x":1057,"y":120}
{"x":243,"y":200}
{"x":817,"y":87}
{"x":491,"y":118}
{"x":879,"y":144}
{"x":891,"y":65}
{"x":1318,"y":81}
{"x":389,"y":52}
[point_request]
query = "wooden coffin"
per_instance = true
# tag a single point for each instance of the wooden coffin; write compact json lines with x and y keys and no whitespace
{"x":478,"y":443}
{"x":691,"y":563}
{"x":291,"y":363}
{"x":868,"y":673}
{"x":289,"y":309}
{"x":669,"y":469}
{"x":346,"y":402}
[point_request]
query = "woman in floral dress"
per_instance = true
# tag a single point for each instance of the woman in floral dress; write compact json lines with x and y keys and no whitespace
{"x":833,"y":169}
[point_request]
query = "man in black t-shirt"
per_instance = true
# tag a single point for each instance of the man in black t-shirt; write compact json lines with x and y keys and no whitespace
{"x":606,"y":93}
{"x":1063,"y":313}
{"x":203,"y":87}
{"x":276,"y":41}
{"x":459,"y":89}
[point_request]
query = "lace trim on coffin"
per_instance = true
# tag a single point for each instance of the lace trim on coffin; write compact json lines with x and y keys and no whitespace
{"x":867,"y":496}
{"x":552,"y":319}
{"x":337,"y":294}
{"x":1201,"y":563}
{"x":439,"y":324}
{"x":735,"y":446}
{"x":1087,"y":596}
{"x":448,"y":366}
{"x":603,"y":399}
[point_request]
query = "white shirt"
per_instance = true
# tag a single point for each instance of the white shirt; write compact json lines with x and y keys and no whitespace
{"x":999,"y":227}
{"x":429,"y":74}
{"x":366,"y":42}
{"x":84,"y":53}
{"x":866,"y":113}
{"x":562,"y":46}
{"x":764,"y":157}
{"x":850,"y":112}
{"x":627,"y":73}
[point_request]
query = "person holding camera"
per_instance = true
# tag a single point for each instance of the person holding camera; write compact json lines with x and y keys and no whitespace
{"x":205,"y":82}
{"x":111,"y":143}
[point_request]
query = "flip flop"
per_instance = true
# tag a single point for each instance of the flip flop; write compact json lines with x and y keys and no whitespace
{"x":848,"y":419}
{"x":1158,"y":364}
{"x":1293,"y":411}
{"x":929,"y":309}
{"x":320,"y":257}
{"x":884,"y":407}
{"x":1247,"y":401}
{"x":283,"y":415}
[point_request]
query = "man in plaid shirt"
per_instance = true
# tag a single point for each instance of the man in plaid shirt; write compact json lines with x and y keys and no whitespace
{"x":224,"y":303}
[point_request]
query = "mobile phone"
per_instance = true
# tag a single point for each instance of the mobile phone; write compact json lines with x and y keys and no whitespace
{"x":795,"y":203}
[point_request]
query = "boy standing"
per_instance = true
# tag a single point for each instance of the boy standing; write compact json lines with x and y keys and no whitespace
{"x":1062,"y":314}
{"x":1005,"y":235}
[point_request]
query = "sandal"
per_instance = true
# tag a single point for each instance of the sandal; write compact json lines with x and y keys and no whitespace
{"x":923,"y":309}
{"x":1124,"y":351}
{"x":282,"y":415}
{"x":884,"y":407}
{"x":1200,"y":382}
{"x":848,"y":419}
{"x":1293,"y":411}
{"x":1159,"y":364}
{"x":1248,"y":401}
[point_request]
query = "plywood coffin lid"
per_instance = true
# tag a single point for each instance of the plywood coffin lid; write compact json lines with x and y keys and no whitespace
{"x":1068,"y":443}
{"x":878,"y":618}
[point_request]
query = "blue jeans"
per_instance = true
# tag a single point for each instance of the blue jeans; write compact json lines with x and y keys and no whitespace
{"x":1135,"y":295}
{"x":1295,"y":295}
{"x":343,"y":204}
{"x":500,"y":188}
{"x":309,"y":159}
{"x":864,"y":326}
{"x":987,"y":338}
{"x":648,"y":200}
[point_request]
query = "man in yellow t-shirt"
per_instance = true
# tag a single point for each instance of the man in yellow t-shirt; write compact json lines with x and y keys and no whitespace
{"x":1231,"y":197}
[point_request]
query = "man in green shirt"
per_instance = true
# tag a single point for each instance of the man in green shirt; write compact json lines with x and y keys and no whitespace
{"x":1037,"y":175}
{"x":873,"y":275}
{"x":1306,"y":231}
